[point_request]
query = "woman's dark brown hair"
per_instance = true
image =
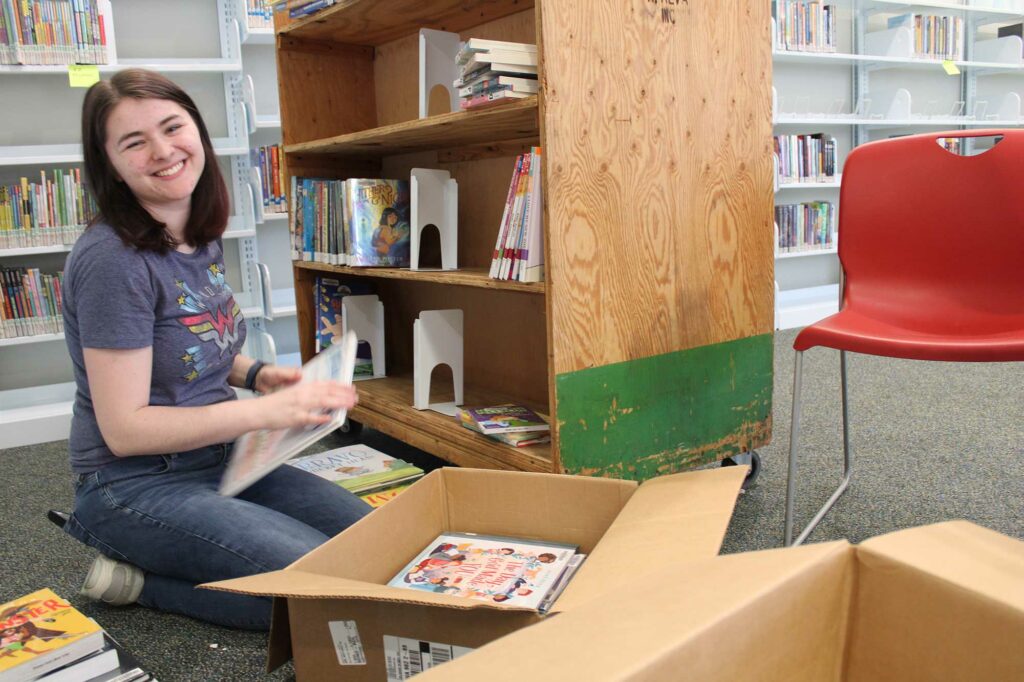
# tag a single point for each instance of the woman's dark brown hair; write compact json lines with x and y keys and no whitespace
{"x":118,"y":206}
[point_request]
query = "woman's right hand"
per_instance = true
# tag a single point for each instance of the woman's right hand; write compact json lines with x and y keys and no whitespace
{"x":306,"y":404}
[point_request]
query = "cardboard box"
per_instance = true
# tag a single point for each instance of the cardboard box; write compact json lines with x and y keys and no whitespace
{"x":333,"y":610}
{"x":940,"y":602}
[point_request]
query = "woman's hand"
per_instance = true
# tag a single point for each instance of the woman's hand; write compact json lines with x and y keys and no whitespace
{"x":273,"y":377}
{"x":307,"y":404}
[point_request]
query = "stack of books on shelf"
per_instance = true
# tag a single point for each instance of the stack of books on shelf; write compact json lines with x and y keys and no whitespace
{"x":809,"y":226}
{"x":30,"y":302}
{"x":806,"y":158}
{"x":302,"y":8}
{"x":327,"y":297}
{"x":515,"y":425}
{"x":519,"y":249}
{"x":494,"y":71}
{"x":259,"y":13}
{"x":496,"y":569}
{"x":55,"y":32}
{"x":44,"y":638}
{"x":51,"y":212}
{"x":372,"y":475}
{"x":935,"y":37}
{"x":805,"y":26}
{"x":357,"y":222}
{"x":269,"y":160}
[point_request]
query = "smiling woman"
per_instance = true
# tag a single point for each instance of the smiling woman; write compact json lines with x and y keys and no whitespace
{"x":155,"y":336}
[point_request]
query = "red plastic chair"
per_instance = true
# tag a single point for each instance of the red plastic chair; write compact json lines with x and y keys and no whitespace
{"x":931,"y":245}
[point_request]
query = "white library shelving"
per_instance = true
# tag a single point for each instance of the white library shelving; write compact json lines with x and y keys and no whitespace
{"x":875,"y":81}
{"x":205,"y":46}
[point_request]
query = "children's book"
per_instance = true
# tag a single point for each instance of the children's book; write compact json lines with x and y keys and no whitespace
{"x":327,"y":296}
{"x":381,"y":497}
{"x":378,"y":214}
{"x":257,"y":453}
{"x":359,"y":468}
{"x":489,"y":568}
{"x":502,"y":419}
{"x":41,"y":632}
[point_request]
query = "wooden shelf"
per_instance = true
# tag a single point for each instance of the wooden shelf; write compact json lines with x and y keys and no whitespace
{"x":515,"y":121}
{"x":374,"y":22}
{"x":466,"y":277}
{"x":386,"y":405}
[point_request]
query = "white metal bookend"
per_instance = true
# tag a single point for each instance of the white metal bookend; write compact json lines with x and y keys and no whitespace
{"x":899,"y":110}
{"x":438,"y":50}
{"x":1009,"y":108}
{"x":437,"y":339}
{"x":434,"y":196}
{"x":364,"y":315}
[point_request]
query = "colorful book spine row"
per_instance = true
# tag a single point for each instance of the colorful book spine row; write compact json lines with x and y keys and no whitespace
{"x":519,"y":250}
{"x":30,"y":302}
{"x":259,"y":13}
{"x":805,"y":26}
{"x":358,"y":222}
{"x":935,"y":37}
{"x":51,"y":212}
{"x":53,"y":32}
{"x":809,"y":226}
{"x":268,"y":158}
{"x":806,"y":158}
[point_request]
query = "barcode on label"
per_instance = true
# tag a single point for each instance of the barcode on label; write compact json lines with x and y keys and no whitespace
{"x":405,"y":657}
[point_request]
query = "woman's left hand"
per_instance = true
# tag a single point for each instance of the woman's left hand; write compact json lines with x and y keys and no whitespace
{"x":273,"y":377}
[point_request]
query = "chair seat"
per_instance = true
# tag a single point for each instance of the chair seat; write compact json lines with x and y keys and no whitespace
{"x":858,"y":333}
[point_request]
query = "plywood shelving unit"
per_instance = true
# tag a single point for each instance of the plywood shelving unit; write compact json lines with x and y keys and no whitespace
{"x":650,"y":343}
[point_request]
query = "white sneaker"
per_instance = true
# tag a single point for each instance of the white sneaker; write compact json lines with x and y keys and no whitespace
{"x":112,"y":582}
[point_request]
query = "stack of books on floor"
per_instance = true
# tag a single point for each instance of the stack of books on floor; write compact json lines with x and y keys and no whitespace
{"x":494,"y":71}
{"x":44,"y":638}
{"x":515,"y":425}
{"x":492,"y":568}
{"x":372,"y":475}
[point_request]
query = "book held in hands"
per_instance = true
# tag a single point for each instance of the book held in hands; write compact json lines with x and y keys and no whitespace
{"x":499,"y":570}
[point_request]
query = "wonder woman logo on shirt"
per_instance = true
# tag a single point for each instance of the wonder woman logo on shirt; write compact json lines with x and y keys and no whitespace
{"x":215,"y":317}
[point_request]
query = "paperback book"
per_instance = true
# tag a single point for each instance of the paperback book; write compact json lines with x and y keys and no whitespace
{"x":496,"y":569}
{"x":41,"y":632}
{"x":377,"y":213}
{"x":327,"y":296}
{"x":359,"y":468}
{"x":508,"y":418}
{"x":257,"y":453}
{"x":381,"y":497}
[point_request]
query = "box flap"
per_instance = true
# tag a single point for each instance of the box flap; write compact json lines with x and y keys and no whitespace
{"x":772,"y":615}
{"x":667,"y":522}
{"x":279,"y":647}
{"x":944,"y":601}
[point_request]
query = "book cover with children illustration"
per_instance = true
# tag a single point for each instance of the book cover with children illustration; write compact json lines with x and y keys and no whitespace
{"x":502,"y":419}
{"x":358,"y":468}
{"x":377,"y":213}
{"x":495,"y":569}
{"x":40,"y":632}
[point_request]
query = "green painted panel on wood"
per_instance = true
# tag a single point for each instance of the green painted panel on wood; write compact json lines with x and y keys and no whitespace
{"x":653,"y":416}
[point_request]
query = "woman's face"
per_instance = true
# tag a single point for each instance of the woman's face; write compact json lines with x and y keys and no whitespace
{"x":155,"y":148}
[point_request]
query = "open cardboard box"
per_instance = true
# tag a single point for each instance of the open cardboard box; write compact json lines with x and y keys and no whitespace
{"x":940,"y":602}
{"x":333,"y":608}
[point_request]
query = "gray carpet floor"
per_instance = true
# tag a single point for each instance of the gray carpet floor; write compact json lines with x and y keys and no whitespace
{"x":932,"y":441}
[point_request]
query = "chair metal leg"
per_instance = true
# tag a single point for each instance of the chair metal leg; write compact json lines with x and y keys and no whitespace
{"x":794,"y":446}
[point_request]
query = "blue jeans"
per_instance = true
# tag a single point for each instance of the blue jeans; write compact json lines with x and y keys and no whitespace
{"x":163,"y":514}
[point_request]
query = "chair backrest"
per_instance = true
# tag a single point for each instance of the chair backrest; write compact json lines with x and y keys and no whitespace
{"x":925,"y":232}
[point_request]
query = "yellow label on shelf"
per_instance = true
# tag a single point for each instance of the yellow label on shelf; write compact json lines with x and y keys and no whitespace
{"x":83,"y":75}
{"x":950,"y":67}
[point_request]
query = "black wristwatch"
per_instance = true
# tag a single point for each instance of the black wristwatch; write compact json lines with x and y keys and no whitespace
{"x":250,"y":376}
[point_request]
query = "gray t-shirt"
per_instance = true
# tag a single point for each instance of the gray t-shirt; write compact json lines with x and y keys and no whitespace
{"x":116,"y":296}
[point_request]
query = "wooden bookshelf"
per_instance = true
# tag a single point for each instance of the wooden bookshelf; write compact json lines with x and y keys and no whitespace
{"x":650,"y":343}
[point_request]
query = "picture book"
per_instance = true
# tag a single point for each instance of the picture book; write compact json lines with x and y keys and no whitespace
{"x":378,"y":214}
{"x":490,"y":568}
{"x":327,"y":295}
{"x":522,"y":439}
{"x":110,"y":664}
{"x":563,"y":579}
{"x":41,"y":632}
{"x":508,"y":418}
{"x":381,"y":497}
{"x":257,"y":453}
{"x":358,"y":468}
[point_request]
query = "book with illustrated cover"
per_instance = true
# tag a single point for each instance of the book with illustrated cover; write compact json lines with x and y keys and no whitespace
{"x":377,"y":213}
{"x":489,"y":568}
{"x":508,"y":418}
{"x":359,"y":468}
{"x":257,"y":453}
{"x":41,"y":632}
{"x":381,"y":497}
{"x":327,"y":296}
